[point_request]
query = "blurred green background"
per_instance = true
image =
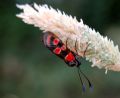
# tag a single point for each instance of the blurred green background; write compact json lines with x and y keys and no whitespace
{"x":29,"y":70}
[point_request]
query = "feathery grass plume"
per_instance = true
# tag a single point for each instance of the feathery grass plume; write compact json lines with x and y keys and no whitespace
{"x":101,"y":51}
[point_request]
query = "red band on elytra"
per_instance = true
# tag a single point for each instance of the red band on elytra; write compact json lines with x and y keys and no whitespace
{"x":69,"y":57}
{"x":55,"y":41}
{"x":57,"y":50}
{"x":63,"y":47}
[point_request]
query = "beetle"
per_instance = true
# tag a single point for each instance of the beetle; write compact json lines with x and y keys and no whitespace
{"x":56,"y":46}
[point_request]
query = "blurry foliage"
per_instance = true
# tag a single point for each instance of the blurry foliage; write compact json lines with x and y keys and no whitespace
{"x":28,"y":69}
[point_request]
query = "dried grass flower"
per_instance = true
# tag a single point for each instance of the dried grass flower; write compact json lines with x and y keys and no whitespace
{"x":101,"y":51}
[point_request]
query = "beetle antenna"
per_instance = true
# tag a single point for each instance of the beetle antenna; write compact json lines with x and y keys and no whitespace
{"x":83,"y":86}
{"x":79,"y":70}
{"x":90,"y":85}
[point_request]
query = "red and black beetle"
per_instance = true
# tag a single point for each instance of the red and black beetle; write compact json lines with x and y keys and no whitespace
{"x":55,"y":45}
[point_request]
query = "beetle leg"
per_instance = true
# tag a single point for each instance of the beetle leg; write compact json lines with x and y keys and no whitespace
{"x":77,"y":57}
{"x":76,"y":47}
{"x":66,"y":42}
{"x":85,"y":50}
